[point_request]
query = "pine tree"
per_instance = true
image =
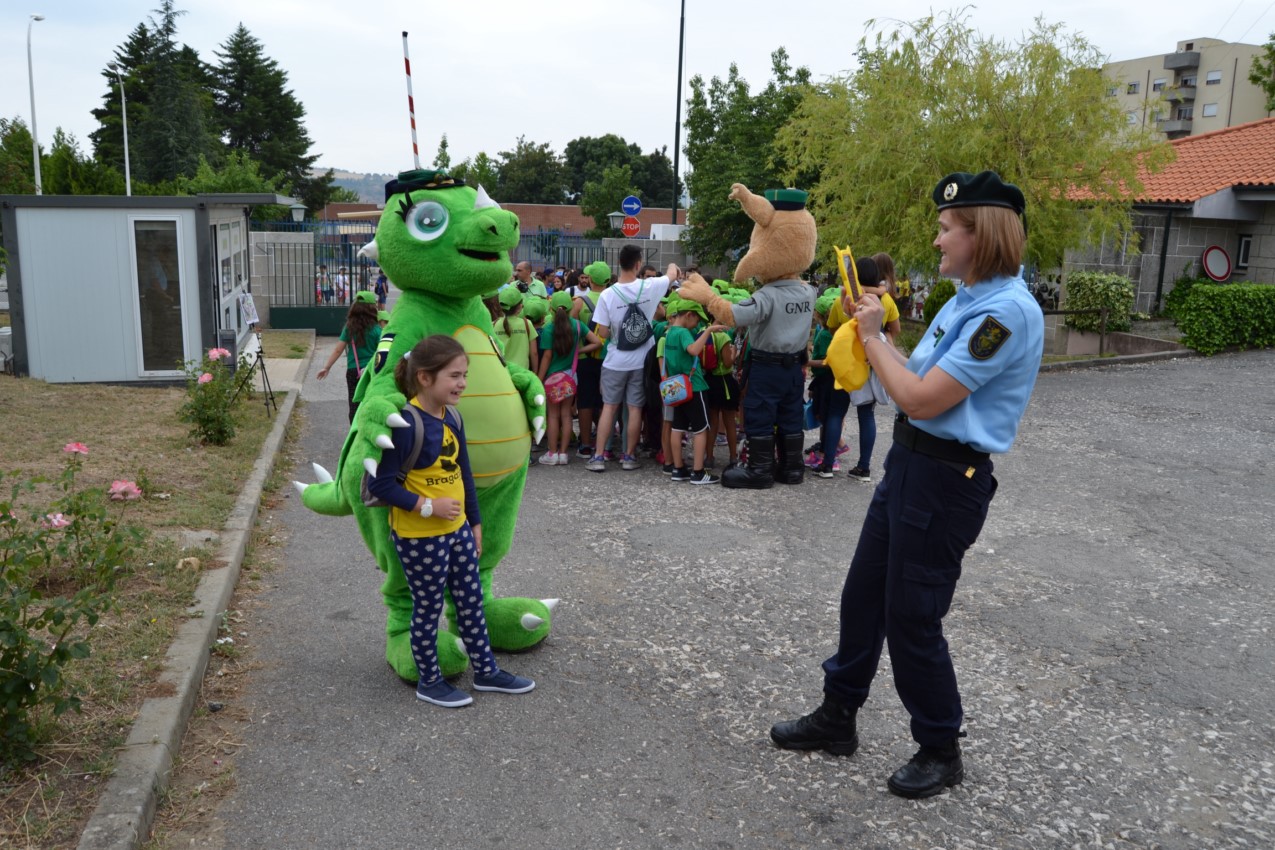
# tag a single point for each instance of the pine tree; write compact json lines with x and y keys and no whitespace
{"x":133,"y":60}
{"x":259,"y":115}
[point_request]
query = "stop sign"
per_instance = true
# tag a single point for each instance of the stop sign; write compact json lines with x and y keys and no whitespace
{"x":631,"y":227}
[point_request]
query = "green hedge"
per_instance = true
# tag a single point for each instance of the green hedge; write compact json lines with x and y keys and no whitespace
{"x":1238,"y":315}
{"x":939,"y":294}
{"x":1095,"y":290}
{"x":1176,"y":299}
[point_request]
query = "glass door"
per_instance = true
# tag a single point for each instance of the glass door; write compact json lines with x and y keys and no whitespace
{"x":157,"y":267}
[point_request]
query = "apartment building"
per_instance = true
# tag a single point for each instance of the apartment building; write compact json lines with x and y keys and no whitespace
{"x":1200,"y":87}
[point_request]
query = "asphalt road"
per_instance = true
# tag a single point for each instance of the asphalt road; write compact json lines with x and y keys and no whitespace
{"x":1112,"y":635}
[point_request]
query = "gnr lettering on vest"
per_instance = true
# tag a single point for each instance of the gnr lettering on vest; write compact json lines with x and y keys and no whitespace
{"x":793,"y":309}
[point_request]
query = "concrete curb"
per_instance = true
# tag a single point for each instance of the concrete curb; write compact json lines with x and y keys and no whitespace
{"x":1121,"y":360}
{"x":126,"y":810}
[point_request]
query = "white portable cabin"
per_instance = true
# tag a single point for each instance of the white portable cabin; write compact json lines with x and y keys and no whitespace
{"x":117,"y":289}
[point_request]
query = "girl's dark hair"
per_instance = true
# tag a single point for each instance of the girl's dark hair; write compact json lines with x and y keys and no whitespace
{"x":869,"y":274}
{"x":564,"y":334}
{"x":572,"y":282}
{"x":885,"y":265}
{"x":430,"y":355}
{"x":361,"y":317}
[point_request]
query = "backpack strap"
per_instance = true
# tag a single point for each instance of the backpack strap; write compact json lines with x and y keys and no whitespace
{"x":418,"y":443}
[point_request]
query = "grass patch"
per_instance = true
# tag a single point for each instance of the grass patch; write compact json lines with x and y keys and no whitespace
{"x":131,"y":433}
{"x":286,"y":345}
{"x":4,"y":318}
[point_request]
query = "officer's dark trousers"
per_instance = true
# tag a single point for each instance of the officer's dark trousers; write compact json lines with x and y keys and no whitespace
{"x":923,"y":516}
{"x":774,"y":398}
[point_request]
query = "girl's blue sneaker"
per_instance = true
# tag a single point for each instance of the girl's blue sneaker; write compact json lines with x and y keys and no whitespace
{"x":503,"y":682}
{"x":441,"y":693}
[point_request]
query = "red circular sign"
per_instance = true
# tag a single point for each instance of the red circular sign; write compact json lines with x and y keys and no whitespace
{"x":631,"y":227}
{"x":1216,"y":262}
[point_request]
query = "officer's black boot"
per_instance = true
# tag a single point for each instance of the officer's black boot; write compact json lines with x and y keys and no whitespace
{"x":791,"y":467}
{"x":930,"y":771}
{"x":829,"y":727}
{"x":757,"y":475}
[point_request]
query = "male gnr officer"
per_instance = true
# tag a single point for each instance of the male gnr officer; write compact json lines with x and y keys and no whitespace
{"x":961,"y":396}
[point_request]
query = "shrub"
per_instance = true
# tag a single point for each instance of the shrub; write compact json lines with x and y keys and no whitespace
{"x":1095,"y":290}
{"x":940,"y":293}
{"x":1182,"y":287}
{"x":1240,"y":315}
{"x":57,"y":572}
{"x":211,"y":393}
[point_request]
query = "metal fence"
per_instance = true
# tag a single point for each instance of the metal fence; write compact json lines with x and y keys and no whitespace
{"x":313,"y":264}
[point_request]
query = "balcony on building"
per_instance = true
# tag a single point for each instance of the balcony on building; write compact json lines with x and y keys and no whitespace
{"x":1176,"y":128}
{"x":1177,"y":94}
{"x":1182,"y":59}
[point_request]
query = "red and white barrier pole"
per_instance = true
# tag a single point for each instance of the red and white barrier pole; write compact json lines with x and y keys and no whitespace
{"x":411,"y":104}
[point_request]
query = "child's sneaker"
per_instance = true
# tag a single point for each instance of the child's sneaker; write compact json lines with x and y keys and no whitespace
{"x":842,"y":448}
{"x":720,"y":441}
{"x":610,"y":455}
{"x":823,"y":472}
{"x":630,"y":462}
{"x":859,"y":474}
{"x":814,"y":460}
{"x":703,"y":476}
{"x":548,"y":459}
{"x":680,"y":473}
{"x":597,"y":463}
{"x":444,"y":694}
{"x":563,"y":458}
{"x":503,"y":682}
{"x":585,"y":452}
{"x":667,"y":468}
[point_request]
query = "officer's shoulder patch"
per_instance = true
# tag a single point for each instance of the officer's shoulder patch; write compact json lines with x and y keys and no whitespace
{"x":988,"y":339}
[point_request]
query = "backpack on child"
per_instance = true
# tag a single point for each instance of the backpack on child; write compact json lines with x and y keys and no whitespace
{"x":634,"y":328}
{"x":409,"y":460}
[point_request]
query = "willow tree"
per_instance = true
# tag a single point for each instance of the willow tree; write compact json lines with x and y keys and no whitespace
{"x":933,"y":97}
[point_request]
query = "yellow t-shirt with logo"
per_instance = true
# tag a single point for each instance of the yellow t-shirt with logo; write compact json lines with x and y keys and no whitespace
{"x":837,"y":316}
{"x":441,"y":479}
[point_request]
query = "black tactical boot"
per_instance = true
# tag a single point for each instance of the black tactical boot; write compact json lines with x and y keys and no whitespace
{"x":829,"y":727}
{"x":791,"y":467}
{"x":757,"y":475}
{"x":930,"y":771}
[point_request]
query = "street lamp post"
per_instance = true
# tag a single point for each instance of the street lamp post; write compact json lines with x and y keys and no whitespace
{"x":128,"y":177}
{"x":35,"y":136}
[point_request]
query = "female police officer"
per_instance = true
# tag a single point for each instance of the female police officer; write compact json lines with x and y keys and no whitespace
{"x":961,"y":395}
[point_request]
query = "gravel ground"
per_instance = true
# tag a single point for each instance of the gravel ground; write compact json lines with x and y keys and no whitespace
{"x":1111,"y":634}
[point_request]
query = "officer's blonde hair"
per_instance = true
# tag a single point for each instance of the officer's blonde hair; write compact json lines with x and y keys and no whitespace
{"x":999,"y":240}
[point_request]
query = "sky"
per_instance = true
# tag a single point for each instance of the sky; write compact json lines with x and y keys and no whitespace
{"x":551,"y":71}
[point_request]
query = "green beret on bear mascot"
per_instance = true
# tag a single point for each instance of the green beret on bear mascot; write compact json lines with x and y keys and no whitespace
{"x":444,"y":245}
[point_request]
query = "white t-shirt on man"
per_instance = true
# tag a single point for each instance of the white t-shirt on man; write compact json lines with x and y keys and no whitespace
{"x":612,"y":304}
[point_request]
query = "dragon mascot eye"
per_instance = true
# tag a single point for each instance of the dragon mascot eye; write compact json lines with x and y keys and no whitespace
{"x":427,"y":221}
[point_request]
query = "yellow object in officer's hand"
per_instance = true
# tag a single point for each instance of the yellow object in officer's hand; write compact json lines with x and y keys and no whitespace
{"x":846,"y":357}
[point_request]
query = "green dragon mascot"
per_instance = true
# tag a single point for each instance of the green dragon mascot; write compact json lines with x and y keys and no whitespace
{"x":444,"y":244}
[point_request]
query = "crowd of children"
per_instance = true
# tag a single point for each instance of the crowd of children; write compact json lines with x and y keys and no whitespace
{"x":553,"y":336}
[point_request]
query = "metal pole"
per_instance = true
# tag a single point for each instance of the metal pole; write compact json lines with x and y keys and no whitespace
{"x":35,"y":135}
{"x":677,"y":126}
{"x":411,"y":105}
{"x":128,"y":177}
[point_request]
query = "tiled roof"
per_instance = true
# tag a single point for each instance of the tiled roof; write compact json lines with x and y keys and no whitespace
{"x":1243,"y":155}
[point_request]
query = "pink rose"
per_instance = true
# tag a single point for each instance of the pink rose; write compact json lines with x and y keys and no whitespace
{"x":217,"y":353}
{"x":76,"y":449}
{"x":205,"y":378}
{"x":124,"y":491}
{"x":55,"y":521}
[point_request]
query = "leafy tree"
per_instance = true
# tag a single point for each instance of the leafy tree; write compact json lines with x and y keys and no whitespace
{"x":318,"y":190}
{"x":603,"y":197}
{"x":258,"y":114}
{"x":17,"y":171}
{"x":442,"y":159}
{"x":933,"y":97}
{"x":531,"y":174}
{"x":133,"y":59}
{"x":238,"y":172}
{"x":730,"y":136}
{"x":172,"y":138}
{"x":1262,"y":74}
{"x":65,"y":171}
{"x":587,"y":157}
{"x":479,"y":170}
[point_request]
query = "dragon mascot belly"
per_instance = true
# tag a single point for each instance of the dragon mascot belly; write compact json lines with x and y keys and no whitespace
{"x":444,"y":245}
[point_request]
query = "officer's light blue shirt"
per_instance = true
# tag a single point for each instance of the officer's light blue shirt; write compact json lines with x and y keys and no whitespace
{"x":990,"y":337}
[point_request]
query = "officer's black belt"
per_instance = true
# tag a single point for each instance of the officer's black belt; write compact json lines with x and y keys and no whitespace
{"x":909,"y":436}
{"x":775,"y":359}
